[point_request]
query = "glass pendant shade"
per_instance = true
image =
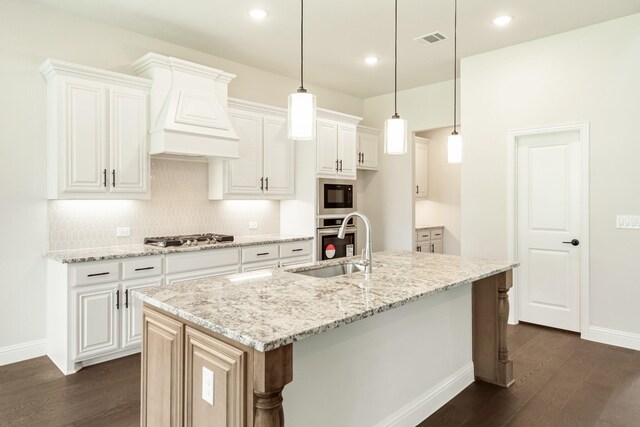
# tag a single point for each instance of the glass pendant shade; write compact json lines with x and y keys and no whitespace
{"x":302,"y":116}
{"x":395,"y":136}
{"x":454,"y":148}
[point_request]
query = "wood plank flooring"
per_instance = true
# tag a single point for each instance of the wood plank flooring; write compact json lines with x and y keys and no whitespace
{"x":561,"y":380}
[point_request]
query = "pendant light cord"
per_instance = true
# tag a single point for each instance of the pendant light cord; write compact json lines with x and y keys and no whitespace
{"x":455,"y":65}
{"x":395,"y":79}
{"x":301,"y":46}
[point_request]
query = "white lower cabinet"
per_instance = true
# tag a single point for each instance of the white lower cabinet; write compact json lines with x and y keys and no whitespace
{"x":430,"y":240}
{"x":93,"y":316}
{"x":96,"y":320}
{"x":131,"y":310}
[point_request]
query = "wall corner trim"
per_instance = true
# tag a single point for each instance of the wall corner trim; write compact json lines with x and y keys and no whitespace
{"x":23,"y":351}
{"x":430,"y":401}
{"x":613,"y":337}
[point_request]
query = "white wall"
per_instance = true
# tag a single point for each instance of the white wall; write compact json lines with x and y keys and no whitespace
{"x":388,"y":197}
{"x":442,"y":206}
{"x":30,"y":33}
{"x":591,"y":74}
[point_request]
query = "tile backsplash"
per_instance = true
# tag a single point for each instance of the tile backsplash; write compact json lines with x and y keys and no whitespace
{"x":178,"y":205}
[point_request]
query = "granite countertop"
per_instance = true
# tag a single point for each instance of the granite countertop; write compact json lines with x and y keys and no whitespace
{"x":266,"y":310}
{"x":129,"y":251}
{"x":425,"y":227}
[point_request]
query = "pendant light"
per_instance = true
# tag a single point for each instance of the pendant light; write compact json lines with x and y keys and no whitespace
{"x":302,"y":105}
{"x":395,"y":128}
{"x":454,"y":144}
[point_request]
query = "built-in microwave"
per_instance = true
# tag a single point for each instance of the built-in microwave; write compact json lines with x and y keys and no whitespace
{"x":336,"y":197}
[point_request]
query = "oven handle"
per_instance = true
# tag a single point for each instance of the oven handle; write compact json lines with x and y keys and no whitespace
{"x":329,"y":231}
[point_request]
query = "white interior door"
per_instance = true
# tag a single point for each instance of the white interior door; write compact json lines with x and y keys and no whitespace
{"x":549,"y":186}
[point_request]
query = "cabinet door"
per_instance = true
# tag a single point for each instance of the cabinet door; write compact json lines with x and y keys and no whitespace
{"x":436,"y":246}
{"x":327,"y":148}
{"x":200,"y":274}
{"x":368,"y":144}
{"x":96,"y":320}
{"x":257,"y":266}
{"x":224,"y":366}
{"x":131,"y":330}
{"x":420,"y":166}
{"x":288,"y":262}
{"x":278,"y":157}
{"x":162,"y":370}
{"x":347,"y":151}
{"x":244,"y":174}
{"x":85,"y":122}
{"x":129,"y":158}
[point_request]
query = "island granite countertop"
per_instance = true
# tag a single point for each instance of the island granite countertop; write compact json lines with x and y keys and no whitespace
{"x":269,"y":309}
{"x":129,"y":251}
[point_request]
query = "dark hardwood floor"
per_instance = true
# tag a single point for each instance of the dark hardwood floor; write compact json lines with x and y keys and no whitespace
{"x":561,"y":380}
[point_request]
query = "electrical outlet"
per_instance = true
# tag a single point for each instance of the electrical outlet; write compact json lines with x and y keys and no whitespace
{"x":630,"y":222}
{"x":208,"y":382}
{"x":253,"y":225}
{"x":123,"y":232}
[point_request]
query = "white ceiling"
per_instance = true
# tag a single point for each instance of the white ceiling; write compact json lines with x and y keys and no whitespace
{"x":340,"y":33}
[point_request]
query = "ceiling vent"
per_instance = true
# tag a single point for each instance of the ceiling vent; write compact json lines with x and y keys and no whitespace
{"x":432,"y":38}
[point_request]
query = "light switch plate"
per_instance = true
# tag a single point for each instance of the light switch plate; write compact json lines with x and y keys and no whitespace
{"x":123,"y":232}
{"x":253,"y":225}
{"x":629,"y":222}
{"x":208,"y":382}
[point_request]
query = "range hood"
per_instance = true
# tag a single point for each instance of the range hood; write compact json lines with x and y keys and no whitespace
{"x":188,"y":108}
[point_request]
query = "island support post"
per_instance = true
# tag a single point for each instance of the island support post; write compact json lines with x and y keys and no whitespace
{"x":490,"y":314}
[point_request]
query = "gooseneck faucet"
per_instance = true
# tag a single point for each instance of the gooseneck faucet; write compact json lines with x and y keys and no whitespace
{"x":368,"y":268}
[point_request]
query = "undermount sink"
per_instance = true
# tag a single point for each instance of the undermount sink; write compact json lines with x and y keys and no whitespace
{"x":335,"y":270}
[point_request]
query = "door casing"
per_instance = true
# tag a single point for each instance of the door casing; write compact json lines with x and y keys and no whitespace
{"x":512,"y":213}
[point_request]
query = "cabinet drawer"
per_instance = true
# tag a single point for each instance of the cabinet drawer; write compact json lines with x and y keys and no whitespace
{"x":138,"y":268}
{"x":201,"y":260}
{"x":259,"y":253}
{"x":423,"y":235}
{"x":436,"y":233}
{"x":94,"y":273}
{"x":292,"y":249}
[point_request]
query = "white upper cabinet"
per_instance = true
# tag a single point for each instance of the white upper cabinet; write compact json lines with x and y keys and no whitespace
{"x":265,"y":169}
{"x":336,"y":149}
{"x":420,"y":153}
{"x":278,"y":157}
{"x":368,"y":139}
{"x":97,"y":133}
{"x":244,"y":174}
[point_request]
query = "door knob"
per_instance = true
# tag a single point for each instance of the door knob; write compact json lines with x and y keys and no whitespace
{"x":574,"y":242}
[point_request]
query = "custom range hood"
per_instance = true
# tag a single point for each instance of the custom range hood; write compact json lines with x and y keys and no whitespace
{"x":188,"y":108}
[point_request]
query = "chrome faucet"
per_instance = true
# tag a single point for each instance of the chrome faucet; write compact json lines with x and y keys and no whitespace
{"x":368,"y":262}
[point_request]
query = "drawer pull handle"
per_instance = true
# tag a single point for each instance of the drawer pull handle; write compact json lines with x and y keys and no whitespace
{"x":263,"y":253}
{"x":117,"y":300}
{"x":144,"y":268}
{"x":98,"y":274}
{"x":297,"y":250}
{"x":126,"y":298}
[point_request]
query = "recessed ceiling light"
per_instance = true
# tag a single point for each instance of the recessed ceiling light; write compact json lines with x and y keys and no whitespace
{"x":371,"y":60}
{"x":258,"y":14}
{"x":503,"y":20}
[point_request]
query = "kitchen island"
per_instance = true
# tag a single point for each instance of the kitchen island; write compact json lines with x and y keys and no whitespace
{"x":220,"y":350}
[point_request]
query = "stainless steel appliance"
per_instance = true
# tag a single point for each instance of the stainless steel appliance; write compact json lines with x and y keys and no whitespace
{"x":329,"y":245}
{"x":188,"y":240}
{"x":336,"y":197}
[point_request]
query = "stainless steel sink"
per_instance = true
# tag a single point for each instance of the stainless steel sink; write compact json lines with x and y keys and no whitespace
{"x":335,"y":270}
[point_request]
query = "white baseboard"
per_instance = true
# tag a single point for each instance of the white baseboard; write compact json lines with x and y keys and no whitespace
{"x":419,"y":409}
{"x":23,"y":351}
{"x":613,"y":337}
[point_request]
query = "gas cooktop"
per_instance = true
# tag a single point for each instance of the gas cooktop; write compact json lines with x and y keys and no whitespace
{"x":188,"y":240}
